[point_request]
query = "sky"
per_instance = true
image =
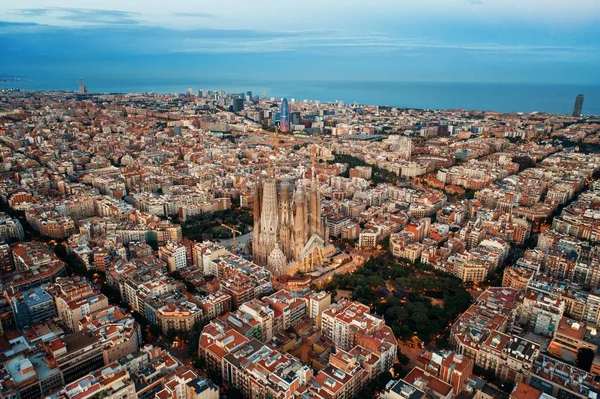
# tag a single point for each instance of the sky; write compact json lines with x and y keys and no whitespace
{"x":517,"y":41}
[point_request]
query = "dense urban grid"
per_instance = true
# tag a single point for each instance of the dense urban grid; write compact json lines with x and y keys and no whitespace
{"x":210,"y":245}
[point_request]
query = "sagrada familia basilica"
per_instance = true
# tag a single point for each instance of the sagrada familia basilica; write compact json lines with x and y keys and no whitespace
{"x":290,"y":234}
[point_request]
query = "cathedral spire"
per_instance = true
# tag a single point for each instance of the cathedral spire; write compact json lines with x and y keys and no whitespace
{"x":256,"y":242}
{"x":315,"y":201}
{"x":257,"y":200}
{"x":315,"y":209}
{"x":300,"y":222}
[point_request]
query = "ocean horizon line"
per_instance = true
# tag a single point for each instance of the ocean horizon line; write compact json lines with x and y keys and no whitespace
{"x":552,"y":98}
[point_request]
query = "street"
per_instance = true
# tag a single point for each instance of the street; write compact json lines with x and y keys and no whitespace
{"x":179,"y":353}
{"x":411,"y":352}
{"x":241,"y":241}
{"x":349,"y":267}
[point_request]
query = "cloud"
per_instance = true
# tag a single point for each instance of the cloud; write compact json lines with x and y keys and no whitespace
{"x":193,"y":14}
{"x":308,"y":14}
{"x":338,"y":43}
{"x":8,"y":24}
{"x":138,"y":50}
{"x":83,"y":16}
{"x":33,"y":12}
{"x":144,"y":39}
{"x":429,"y":38}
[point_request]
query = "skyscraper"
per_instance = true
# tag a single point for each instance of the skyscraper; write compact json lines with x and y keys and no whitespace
{"x":82,"y":88}
{"x":578,"y":105}
{"x":284,"y":123}
{"x":295,"y":118}
{"x":443,"y":129}
{"x":238,"y":104}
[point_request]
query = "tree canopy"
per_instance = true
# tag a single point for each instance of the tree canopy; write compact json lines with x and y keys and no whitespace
{"x":208,"y":226}
{"x":407,"y":296}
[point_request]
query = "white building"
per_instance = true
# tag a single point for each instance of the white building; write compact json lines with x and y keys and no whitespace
{"x":174,"y":254}
{"x":368,"y":238}
{"x":10,"y":228}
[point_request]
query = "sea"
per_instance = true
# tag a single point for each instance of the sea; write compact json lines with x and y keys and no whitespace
{"x":502,"y":97}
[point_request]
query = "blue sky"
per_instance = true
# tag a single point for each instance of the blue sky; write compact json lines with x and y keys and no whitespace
{"x":537,"y":41}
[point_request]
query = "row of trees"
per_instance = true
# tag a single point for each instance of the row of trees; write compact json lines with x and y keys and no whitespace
{"x":402,"y":293}
{"x":584,"y":147}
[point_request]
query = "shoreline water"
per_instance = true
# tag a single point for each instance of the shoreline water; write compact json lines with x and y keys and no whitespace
{"x":500,"y":97}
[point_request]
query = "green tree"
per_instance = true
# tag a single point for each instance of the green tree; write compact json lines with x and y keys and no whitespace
{"x":585,"y":358}
{"x":170,"y":335}
{"x":155,"y":330}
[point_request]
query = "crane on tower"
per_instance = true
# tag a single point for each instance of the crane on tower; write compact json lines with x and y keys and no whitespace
{"x":313,"y":160}
{"x":274,"y":156}
{"x":233,"y":231}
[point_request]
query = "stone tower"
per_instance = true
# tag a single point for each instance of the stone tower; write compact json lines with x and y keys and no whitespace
{"x":286,"y":218}
{"x":256,"y":247}
{"x":300,"y":222}
{"x":269,"y":221}
{"x":315,"y":210}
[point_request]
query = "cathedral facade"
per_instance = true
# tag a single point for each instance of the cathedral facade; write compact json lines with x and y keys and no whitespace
{"x":289,"y":233}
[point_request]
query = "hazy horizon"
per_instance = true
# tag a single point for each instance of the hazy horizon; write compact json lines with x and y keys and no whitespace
{"x":429,"y":40}
{"x":347,"y":50}
{"x":503,"y":97}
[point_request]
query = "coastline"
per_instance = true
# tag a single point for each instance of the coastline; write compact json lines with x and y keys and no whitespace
{"x":499,"y":97}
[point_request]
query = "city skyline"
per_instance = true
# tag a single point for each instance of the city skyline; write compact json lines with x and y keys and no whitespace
{"x":366,"y":237}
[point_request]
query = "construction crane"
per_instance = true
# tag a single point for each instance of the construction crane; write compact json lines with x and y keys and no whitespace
{"x":313,"y":160}
{"x":272,"y":170}
{"x":233,"y":231}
